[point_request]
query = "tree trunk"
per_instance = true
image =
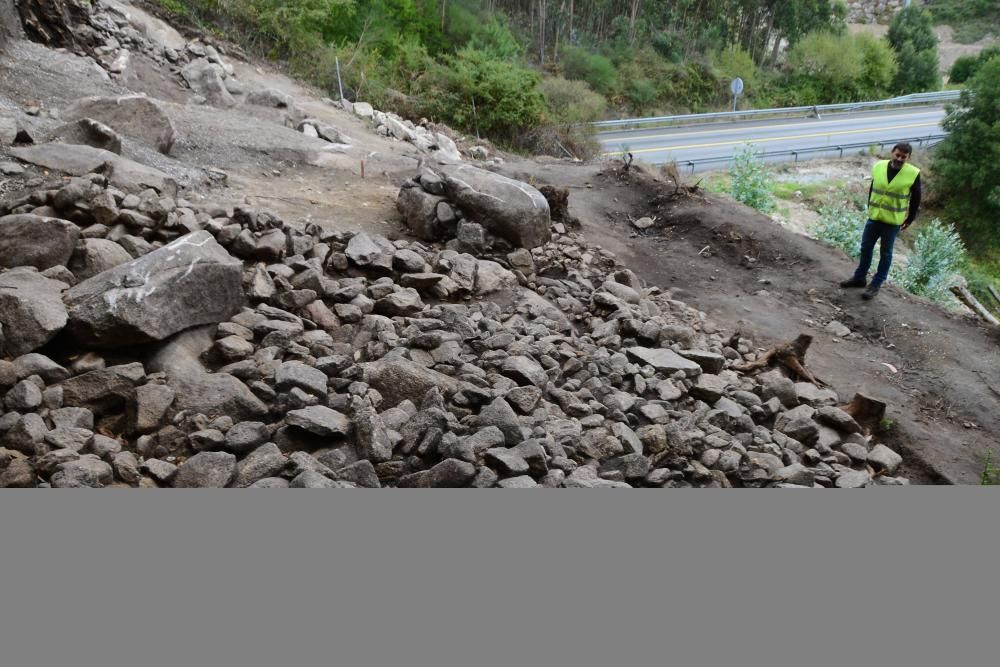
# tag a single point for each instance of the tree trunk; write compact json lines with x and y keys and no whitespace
{"x":965,"y":296}
{"x":636,"y":4}
{"x":444,"y":12}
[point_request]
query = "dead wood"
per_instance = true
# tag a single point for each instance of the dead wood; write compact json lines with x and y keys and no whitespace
{"x":790,"y":355}
{"x":867,"y":412}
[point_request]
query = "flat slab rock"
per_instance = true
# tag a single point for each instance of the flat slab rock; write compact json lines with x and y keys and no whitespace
{"x":664,"y":360}
{"x":77,"y":160}
{"x":189,"y":282}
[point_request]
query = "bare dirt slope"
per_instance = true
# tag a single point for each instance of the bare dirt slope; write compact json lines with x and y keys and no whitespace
{"x":749,"y":273}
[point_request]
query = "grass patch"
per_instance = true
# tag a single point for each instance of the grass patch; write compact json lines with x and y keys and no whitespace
{"x":813,"y":191}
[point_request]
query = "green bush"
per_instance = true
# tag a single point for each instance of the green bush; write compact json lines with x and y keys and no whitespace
{"x":966,"y":67}
{"x":842,"y":228}
{"x":751,"y":182}
{"x":641,"y":94}
{"x":938,"y":254}
{"x":572,"y":102}
{"x":598,"y":71}
{"x":471,"y":90}
{"x":735,"y":62}
{"x":963,"y":69}
{"x":878,"y":67}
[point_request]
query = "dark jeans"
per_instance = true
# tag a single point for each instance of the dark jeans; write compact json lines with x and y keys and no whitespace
{"x":876,"y":231}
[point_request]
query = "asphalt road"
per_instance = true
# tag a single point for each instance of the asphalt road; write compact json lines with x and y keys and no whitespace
{"x":723,"y":139}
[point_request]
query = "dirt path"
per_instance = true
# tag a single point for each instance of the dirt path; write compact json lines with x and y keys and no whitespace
{"x":745,"y":271}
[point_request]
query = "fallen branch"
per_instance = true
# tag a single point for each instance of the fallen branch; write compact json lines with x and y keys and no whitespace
{"x":965,"y":296}
{"x":790,"y":355}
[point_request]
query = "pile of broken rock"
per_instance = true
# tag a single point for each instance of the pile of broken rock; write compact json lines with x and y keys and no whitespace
{"x":149,"y":341}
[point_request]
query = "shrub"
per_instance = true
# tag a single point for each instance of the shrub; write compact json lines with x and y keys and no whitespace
{"x":963,"y":69}
{"x":735,"y":62}
{"x":938,"y":253}
{"x":473,"y":91}
{"x":841,"y":228}
{"x":571,"y":102}
{"x":966,"y":67}
{"x":825,"y":67}
{"x":595,"y":69}
{"x":641,"y":94}
{"x":751,"y":182}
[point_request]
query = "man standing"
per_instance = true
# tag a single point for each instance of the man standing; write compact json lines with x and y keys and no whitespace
{"x":893,"y":200}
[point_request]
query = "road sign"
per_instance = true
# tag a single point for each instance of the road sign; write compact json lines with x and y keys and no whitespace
{"x":736,"y":86}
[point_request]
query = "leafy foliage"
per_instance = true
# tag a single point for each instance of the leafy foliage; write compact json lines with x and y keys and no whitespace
{"x":938,"y":254}
{"x":572,"y":102}
{"x":597,"y":70}
{"x":966,"y":67}
{"x":912,"y":37}
{"x":751,"y":182}
{"x":471,"y":90}
{"x":967,"y":162}
{"x":827,"y":67}
{"x":842,"y":228}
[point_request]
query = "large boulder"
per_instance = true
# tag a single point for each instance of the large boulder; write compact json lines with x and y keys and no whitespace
{"x":134,"y":116}
{"x":33,"y":240}
{"x":419,"y":212}
{"x":206,"y":79}
{"x":509,"y":209}
{"x":189,"y":282}
{"x":31,"y":311}
{"x":77,"y":160}
{"x":195,"y":389}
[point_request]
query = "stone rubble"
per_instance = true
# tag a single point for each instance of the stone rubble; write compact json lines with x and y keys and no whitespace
{"x":188,"y":345}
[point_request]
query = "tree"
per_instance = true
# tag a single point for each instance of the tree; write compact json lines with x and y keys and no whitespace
{"x":968,"y":160}
{"x":912,"y":37}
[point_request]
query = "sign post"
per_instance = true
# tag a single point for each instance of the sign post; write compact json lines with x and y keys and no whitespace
{"x":736,"y":87}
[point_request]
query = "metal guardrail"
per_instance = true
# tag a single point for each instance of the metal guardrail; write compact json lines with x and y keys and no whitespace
{"x":905,"y":100}
{"x":927,"y":141}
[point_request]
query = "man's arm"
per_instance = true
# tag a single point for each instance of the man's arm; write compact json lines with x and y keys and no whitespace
{"x":915,"y":193}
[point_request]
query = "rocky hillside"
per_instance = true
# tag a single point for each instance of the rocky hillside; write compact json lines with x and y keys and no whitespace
{"x":157,"y":333}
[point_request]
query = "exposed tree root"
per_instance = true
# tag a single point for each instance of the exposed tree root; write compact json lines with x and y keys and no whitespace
{"x":790,"y":355}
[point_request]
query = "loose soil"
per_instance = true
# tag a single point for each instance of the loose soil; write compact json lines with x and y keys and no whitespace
{"x":748,"y":273}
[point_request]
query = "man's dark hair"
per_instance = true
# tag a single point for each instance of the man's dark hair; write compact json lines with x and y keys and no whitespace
{"x":905,"y":147}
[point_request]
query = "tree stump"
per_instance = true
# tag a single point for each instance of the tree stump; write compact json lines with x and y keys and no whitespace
{"x":790,"y":355}
{"x":867,"y":411}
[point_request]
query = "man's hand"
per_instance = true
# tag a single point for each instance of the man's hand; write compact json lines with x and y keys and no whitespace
{"x":906,"y":224}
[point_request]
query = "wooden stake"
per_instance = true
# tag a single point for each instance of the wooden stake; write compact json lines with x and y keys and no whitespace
{"x":965,"y":296}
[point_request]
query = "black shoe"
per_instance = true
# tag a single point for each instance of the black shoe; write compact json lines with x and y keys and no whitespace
{"x":870,"y":293}
{"x":853,"y":283}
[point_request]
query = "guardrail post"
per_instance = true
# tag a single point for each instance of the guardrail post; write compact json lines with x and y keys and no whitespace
{"x":691,"y":164}
{"x":795,"y":154}
{"x":841,"y":149}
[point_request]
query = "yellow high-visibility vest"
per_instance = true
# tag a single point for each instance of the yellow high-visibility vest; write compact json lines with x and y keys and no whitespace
{"x":890,"y":201}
